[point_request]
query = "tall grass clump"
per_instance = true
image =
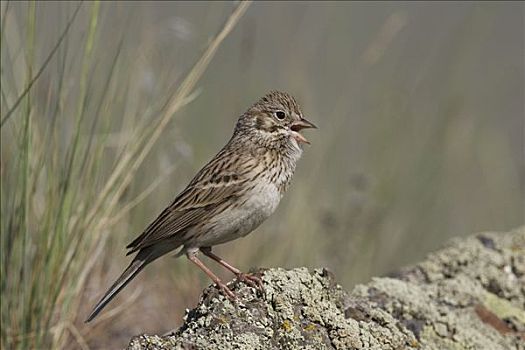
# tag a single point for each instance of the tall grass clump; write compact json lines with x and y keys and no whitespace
{"x":62,"y":185}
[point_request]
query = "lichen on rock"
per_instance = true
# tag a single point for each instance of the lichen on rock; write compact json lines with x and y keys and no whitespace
{"x":469,"y":295}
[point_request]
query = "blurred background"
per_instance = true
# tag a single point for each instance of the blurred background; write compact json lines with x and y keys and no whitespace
{"x":420,"y":108}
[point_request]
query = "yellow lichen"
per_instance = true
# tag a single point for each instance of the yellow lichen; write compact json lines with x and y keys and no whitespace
{"x":310,"y":327}
{"x":287,"y":326}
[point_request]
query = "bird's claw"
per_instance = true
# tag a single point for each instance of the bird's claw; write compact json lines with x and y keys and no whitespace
{"x":251,"y":280}
{"x":227,"y":292}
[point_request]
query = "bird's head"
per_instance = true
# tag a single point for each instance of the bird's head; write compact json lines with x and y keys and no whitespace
{"x":275,"y":121}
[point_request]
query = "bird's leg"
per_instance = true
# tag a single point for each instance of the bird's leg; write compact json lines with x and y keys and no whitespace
{"x":192,"y":256}
{"x":251,"y":280}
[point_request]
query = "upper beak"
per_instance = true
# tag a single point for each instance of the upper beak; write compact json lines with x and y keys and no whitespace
{"x":302,"y":124}
{"x":298,"y":126}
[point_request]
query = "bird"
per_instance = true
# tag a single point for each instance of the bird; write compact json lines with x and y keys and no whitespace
{"x":238,"y":189}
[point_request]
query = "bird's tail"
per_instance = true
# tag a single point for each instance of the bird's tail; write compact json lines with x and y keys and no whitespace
{"x":144,"y":257}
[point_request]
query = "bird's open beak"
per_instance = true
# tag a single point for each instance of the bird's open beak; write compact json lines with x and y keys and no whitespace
{"x":298,"y":126}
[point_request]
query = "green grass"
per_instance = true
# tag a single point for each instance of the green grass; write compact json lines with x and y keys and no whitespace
{"x":61,"y":192}
{"x":45,"y":195}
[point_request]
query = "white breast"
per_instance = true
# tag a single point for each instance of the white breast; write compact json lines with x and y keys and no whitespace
{"x":233,"y":223}
{"x":262,"y":202}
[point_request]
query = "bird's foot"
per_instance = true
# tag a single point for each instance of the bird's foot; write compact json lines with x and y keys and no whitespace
{"x":227,"y":292}
{"x":251,"y":280}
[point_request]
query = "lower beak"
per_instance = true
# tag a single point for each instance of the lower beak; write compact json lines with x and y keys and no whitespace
{"x":298,"y":126}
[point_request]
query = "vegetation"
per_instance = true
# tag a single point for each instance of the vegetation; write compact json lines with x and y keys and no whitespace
{"x":107,"y":110}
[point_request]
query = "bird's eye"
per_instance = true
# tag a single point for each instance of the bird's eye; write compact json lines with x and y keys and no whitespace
{"x":280,"y":115}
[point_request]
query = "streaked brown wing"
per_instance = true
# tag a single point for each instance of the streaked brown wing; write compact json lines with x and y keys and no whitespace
{"x":213,"y":186}
{"x":191,"y":207}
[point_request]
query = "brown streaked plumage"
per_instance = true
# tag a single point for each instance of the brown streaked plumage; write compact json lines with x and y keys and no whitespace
{"x":228,"y":198}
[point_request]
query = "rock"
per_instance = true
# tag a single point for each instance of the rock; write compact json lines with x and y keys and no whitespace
{"x":469,"y":295}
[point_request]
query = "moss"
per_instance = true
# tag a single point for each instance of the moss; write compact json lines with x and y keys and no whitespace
{"x":470,"y":295}
{"x":502,"y":308}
